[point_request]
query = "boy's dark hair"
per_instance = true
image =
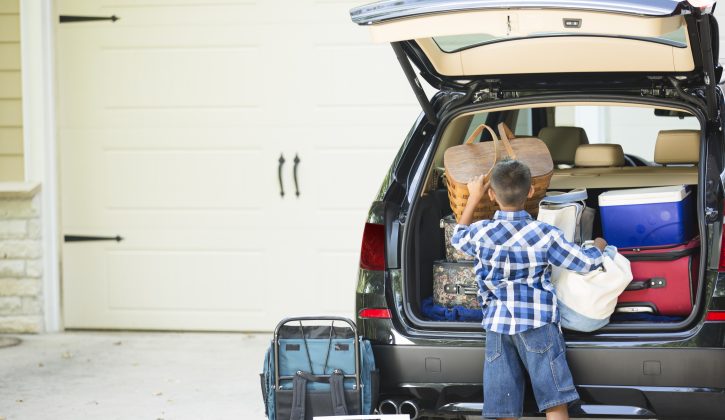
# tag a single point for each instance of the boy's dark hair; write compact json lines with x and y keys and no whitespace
{"x":511,"y":181}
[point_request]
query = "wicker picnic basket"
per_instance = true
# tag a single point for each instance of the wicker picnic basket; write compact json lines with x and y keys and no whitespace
{"x":463,"y":163}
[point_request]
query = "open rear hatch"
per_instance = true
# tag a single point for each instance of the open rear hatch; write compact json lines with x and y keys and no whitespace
{"x":529,"y":41}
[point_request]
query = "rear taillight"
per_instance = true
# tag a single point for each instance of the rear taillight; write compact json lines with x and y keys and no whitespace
{"x":377,"y":313}
{"x":715,"y":316}
{"x":372,"y":251}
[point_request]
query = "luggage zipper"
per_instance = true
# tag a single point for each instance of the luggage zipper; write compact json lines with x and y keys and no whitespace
{"x":665,"y":256}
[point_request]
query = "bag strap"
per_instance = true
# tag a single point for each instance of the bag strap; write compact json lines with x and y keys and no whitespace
{"x":337,"y":393}
{"x":299,"y":391}
{"x":307,"y":349}
{"x":505,"y":132}
{"x":577,"y":194}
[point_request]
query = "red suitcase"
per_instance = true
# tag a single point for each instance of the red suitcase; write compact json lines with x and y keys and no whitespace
{"x":664,"y":279}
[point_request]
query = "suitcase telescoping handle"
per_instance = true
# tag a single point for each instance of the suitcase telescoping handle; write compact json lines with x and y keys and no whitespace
{"x":653,"y":283}
{"x":332,"y":319}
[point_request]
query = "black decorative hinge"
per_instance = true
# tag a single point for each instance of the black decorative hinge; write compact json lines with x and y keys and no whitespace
{"x":74,"y":19}
{"x":83,"y":238}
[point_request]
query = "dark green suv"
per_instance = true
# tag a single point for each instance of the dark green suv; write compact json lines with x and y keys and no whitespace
{"x":624,"y":72}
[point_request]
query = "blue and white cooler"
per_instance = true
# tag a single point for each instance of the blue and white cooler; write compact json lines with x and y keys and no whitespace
{"x":654,"y":216}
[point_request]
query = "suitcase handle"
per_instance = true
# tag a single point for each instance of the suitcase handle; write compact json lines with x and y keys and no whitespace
{"x":459,"y":289}
{"x":653,"y":283}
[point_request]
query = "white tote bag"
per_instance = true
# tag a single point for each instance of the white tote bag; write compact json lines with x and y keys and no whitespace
{"x":568,"y":212}
{"x":586,"y":301}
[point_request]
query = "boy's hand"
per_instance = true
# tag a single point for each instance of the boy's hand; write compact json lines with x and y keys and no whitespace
{"x":600,"y":243}
{"x":476,"y":189}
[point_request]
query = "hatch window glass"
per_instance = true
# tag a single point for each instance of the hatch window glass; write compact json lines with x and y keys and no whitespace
{"x":454,"y":43}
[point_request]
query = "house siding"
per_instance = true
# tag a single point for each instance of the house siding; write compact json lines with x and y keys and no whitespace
{"x":11,"y":117}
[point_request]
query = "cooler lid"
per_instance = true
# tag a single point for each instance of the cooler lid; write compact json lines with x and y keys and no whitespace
{"x":669,"y":194}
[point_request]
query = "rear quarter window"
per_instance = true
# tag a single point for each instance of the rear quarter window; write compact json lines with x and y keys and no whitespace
{"x":634,"y":128}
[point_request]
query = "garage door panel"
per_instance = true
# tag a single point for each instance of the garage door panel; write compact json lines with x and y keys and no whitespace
{"x":178,"y":219}
{"x":171,"y":179}
{"x":192,"y":13}
{"x":172,"y":122}
{"x":353,"y":83}
{"x":180,"y":78}
{"x":359,"y":191}
{"x":187,"y":280}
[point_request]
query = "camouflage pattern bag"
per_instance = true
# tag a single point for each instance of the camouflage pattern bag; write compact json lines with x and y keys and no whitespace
{"x":454,"y":283}
{"x":448,"y":224}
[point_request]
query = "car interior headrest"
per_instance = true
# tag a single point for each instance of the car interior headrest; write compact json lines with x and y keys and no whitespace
{"x":599,"y":155}
{"x":562,"y":142}
{"x":678,"y":147}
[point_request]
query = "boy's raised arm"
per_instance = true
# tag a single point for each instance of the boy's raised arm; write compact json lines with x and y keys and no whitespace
{"x":571,"y":256}
{"x":476,"y":189}
{"x":463,"y":234}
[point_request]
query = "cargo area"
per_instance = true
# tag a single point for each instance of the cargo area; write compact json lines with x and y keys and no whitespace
{"x":661,"y":240}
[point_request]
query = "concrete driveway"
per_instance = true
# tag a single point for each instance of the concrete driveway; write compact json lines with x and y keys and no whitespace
{"x":117,"y":375}
{"x":132,"y":375}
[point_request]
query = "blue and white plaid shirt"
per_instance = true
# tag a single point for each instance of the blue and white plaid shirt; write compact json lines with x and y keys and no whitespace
{"x":514,"y":254}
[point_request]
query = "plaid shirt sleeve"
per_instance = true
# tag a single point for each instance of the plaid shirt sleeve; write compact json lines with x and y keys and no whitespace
{"x":462,"y":238}
{"x":571,"y":256}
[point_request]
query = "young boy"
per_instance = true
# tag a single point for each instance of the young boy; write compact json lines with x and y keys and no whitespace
{"x":513,"y":257}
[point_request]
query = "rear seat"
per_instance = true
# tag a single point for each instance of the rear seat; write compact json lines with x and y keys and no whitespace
{"x":601,"y":165}
{"x":563,"y":142}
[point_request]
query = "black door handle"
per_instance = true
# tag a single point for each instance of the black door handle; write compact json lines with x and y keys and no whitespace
{"x":294,"y":174}
{"x":74,"y":19}
{"x":83,"y":238}
{"x":279,"y":174}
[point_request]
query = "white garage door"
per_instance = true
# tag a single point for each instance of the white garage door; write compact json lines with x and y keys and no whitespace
{"x":172,"y":122}
{"x":720,"y":16}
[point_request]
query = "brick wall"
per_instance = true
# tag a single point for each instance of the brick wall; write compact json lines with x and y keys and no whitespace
{"x":21,"y":269}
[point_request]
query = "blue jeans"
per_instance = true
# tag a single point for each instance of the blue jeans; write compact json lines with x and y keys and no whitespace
{"x":540,"y":352}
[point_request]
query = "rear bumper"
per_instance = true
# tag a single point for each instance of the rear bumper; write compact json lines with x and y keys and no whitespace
{"x":630,"y":382}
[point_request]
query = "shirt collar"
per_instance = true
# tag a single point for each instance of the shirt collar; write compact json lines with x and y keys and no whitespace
{"x":512,"y":215}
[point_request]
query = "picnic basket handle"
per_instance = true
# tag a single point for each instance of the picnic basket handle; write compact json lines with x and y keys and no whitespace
{"x":506,"y":135}
{"x":495,"y":140}
{"x":478,"y":131}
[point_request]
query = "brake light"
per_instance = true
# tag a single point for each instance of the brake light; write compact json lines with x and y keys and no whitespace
{"x":372,"y":250}
{"x":377,"y":313}
{"x":715,"y":316}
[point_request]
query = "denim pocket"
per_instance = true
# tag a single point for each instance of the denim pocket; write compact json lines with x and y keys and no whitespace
{"x":560,"y":372}
{"x":493,"y":346}
{"x":538,"y":340}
